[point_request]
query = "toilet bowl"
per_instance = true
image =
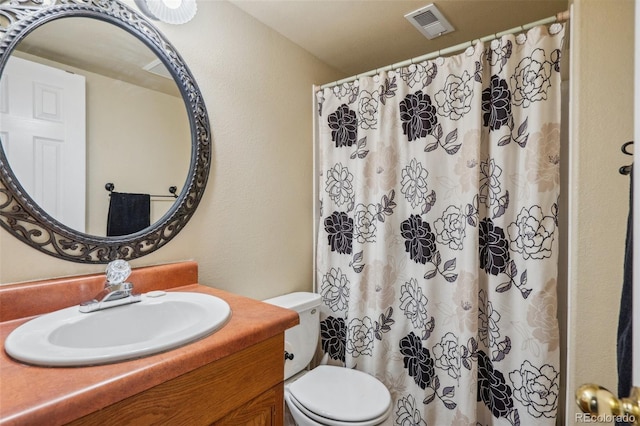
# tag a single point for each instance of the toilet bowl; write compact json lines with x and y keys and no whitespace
{"x":326,"y":395}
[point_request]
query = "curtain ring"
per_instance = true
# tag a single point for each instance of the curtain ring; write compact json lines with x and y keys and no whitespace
{"x":625,"y":146}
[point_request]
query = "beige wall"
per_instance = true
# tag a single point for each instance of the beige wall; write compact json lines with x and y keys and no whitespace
{"x":252,"y":231}
{"x":139,"y":140}
{"x":602,"y":109}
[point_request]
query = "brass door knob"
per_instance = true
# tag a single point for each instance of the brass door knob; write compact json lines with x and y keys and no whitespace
{"x":597,"y":402}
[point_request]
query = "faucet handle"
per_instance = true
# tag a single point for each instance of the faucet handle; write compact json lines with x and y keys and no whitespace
{"x":118,"y":271}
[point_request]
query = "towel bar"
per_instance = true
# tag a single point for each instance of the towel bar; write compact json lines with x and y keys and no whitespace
{"x":172,"y":190}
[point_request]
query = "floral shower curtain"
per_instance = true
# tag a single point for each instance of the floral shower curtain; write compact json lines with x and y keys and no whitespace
{"x":438,"y":240}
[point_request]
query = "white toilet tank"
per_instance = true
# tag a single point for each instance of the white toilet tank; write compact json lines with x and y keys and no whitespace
{"x":300,"y":341}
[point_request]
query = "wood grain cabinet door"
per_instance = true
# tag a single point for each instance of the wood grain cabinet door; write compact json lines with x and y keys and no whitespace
{"x":265,"y":410}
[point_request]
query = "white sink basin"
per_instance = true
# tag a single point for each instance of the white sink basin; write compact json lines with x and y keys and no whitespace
{"x":160,"y":322}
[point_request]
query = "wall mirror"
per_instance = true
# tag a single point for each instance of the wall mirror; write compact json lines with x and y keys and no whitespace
{"x":143,"y":125}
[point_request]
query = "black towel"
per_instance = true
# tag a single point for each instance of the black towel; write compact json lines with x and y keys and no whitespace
{"x":625,"y":321}
{"x":128,"y":213}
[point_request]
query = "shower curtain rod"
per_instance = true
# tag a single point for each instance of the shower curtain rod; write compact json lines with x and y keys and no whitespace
{"x":560,"y":17}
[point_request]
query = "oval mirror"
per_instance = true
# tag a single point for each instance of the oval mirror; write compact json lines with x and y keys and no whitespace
{"x":97,"y":112}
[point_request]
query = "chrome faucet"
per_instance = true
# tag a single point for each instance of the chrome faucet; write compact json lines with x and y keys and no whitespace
{"x":116,"y":291}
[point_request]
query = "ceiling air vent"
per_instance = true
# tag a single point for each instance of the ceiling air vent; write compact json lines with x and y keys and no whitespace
{"x":429,"y":21}
{"x":157,"y":67}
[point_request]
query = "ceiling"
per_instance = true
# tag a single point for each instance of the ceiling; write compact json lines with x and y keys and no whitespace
{"x":352,"y":36}
{"x":121,"y":55}
{"x":355,"y":36}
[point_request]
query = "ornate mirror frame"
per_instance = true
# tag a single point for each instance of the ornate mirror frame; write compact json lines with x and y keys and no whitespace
{"x":27,"y":221}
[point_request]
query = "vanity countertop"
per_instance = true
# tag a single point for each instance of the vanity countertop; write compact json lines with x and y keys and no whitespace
{"x":41,"y":395}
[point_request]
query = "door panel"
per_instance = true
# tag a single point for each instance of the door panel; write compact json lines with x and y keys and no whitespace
{"x":43,"y":131}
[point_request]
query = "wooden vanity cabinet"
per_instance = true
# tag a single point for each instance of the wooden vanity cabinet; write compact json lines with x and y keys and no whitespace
{"x":232,"y":377}
{"x":245,"y":388}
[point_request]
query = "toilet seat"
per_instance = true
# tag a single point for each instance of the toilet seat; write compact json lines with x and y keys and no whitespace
{"x":323,"y":421}
{"x":339,"y":396}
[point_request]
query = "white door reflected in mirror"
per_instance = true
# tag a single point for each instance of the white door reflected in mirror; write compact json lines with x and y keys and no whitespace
{"x":43,"y":135}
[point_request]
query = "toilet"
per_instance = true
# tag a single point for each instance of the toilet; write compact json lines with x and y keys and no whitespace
{"x":326,"y":395}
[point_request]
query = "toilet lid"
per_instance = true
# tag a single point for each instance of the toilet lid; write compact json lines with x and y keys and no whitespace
{"x":341,"y":394}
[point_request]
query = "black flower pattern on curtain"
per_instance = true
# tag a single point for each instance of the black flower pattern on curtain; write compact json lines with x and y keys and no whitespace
{"x":420,"y":241}
{"x":496,"y":104}
{"x":333,"y":333}
{"x":418,"y":115}
{"x":339,"y":228}
{"x":344,"y":126}
{"x":494,"y":248}
{"x":417,"y":360}
{"x":493,"y":389}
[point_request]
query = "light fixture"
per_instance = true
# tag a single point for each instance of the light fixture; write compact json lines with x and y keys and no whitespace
{"x":169,"y":11}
